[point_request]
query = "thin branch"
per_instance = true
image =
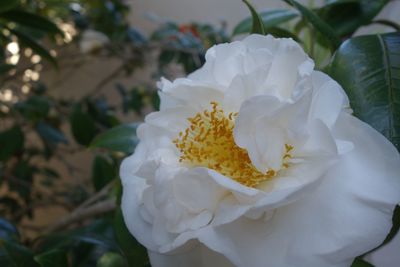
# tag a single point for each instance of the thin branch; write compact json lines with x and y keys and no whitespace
{"x":82,"y":214}
{"x":99,"y":195}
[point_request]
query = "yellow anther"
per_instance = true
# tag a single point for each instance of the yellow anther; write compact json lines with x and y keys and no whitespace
{"x":208,"y":142}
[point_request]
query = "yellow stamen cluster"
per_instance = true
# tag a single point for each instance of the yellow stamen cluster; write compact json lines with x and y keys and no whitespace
{"x":208,"y":142}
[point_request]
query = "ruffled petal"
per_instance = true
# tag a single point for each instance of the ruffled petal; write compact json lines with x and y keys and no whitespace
{"x":199,"y":256}
{"x":348,"y":214}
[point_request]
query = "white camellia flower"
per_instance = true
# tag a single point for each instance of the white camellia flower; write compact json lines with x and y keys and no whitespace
{"x":255,"y":160}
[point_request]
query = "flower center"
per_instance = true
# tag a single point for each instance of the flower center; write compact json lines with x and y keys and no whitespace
{"x":208,"y":142}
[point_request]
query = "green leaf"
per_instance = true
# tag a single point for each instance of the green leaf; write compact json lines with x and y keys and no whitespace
{"x":98,"y":234}
{"x":257,"y":23}
{"x":83,"y":126}
{"x":270,"y":18}
{"x":31,"y":20}
{"x":393,"y":231}
{"x":52,"y":258}
{"x":361,"y":263}
{"x":345,"y":17}
{"x":395,"y":226}
{"x":322,"y":27}
{"x":368,"y":69}
{"x":17,"y":255}
{"x":34,"y":108}
{"x":135,"y":253}
{"x":11,"y":142}
{"x":103,"y":171}
{"x":30,"y":42}
{"x":121,"y":138}
{"x":8,"y":231}
{"x":6,"y":5}
{"x":111,"y":259}
{"x":50,"y":134}
{"x":282,"y":33}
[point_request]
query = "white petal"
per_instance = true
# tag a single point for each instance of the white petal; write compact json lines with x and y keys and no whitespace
{"x":197,"y":191}
{"x":199,"y":256}
{"x":328,"y":99}
{"x":348,"y":214}
{"x":289,"y":64}
{"x":130,"y":204}
{"x":388,"y":255}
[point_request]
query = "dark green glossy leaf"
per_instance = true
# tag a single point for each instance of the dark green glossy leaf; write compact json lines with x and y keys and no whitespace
{"x":103,"y":171}
{"x":31,"y":20}
{"x":270,"y":18}
{"x":121,"y":138}
{"x":11,"y":142}
{"x":111,"y":259}
{"x":30,"y":42}
{"x":395,"y":226}
{"x":34,"y":108}
{"x":23,"y":174}
{"x":135,"y":253}
{"x":282,"y":33}
{"x":257,"y":23}
{"x":393,"y":231}
{"x":98,"y":233}
{"x":322,"y":27}
{"x":17,"y":255}
{"x":83,"y":126}
{"x":52,"y":258}
{"x":6,"y":5}
{"x":368,"y":68}
{"x":361,"y":263}
{"x":345,"y":17}
{"x":50,"y":134}
{"x":339,"y":2}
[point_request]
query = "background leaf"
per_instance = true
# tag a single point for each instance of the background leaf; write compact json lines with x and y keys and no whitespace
{"x":103,"y":171}
{"x":345,"y":17}
{"x":8,"y":231}
{"x":121,"y":138}
{"x":83,"y":126}
{"x":6,"y":5}
{"x":52,"y":258}
{"x":30,"y":42}
{"x":321,"y":26}
{"x":17,"y":255}
{"x":361,"y":263}
{"x":257,"y":23}
{"x":31,"y":20}
{"x":135,"y":253}
{"x":368,"y":68}
{"x":11,"y":141}
{"x":50,"y":134}
{"x":270,"y":18}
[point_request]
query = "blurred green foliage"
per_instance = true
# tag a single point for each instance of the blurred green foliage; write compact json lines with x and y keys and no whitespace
{"x":38,"y":128}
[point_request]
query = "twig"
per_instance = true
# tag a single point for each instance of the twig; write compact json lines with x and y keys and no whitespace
{"x":82,"y":214}
{"x":102,"y":193}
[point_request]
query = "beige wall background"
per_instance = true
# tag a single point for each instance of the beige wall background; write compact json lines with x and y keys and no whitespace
{"x":215,"y":11}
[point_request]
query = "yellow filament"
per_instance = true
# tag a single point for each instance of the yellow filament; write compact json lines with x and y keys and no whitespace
{"x":208,"y":142}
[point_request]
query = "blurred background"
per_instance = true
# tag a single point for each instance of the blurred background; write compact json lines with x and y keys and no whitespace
{"x":71,"y":70}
